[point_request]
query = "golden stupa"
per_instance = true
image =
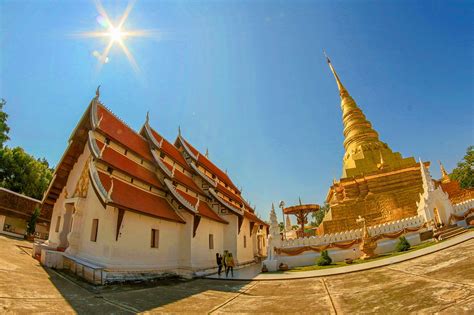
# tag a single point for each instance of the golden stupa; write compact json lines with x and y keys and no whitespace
{"x":377,"y":183}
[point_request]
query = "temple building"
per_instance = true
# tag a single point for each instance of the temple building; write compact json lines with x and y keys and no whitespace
{"x":377,"y":183}
{"x":132,"y":203}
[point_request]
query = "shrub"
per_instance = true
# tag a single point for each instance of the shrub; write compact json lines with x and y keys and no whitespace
{"x":31,"y":226}
{"x":324,"y":259}
{"x":403,"y":245}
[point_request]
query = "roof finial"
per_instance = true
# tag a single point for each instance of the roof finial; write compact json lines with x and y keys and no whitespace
{"x":97,"y":92}
{"x":342,"y":90}
{"x":109,"y":193}
{"x":207,"y":153}
{"x":299,"y":199}
{"x":444,"y":175}
{"x":179,"y":131}
{"x":147,"y":116}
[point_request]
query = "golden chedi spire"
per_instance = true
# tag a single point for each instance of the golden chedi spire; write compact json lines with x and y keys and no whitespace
{"x":444,"y":175}
{"x":364,"y":150}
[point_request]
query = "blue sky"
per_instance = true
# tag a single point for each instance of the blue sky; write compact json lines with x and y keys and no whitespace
{"x":248,"y":81}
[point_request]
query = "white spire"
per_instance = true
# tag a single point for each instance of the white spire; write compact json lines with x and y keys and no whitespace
{"x":428,"y":184}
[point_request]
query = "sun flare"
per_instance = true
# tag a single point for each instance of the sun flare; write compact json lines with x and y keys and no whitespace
{"x":116,"y":33}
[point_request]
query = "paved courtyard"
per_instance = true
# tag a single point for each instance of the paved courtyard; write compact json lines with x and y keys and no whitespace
{"x":440,"y":282}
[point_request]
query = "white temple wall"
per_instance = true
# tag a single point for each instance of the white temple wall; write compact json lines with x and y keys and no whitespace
{"x":132,"y":249}
{"x":244,"y":253}
{"x":185,"y":240}
{"x":230,"y":234}
{"x":59,"y":208}
{"x":204,"y":257}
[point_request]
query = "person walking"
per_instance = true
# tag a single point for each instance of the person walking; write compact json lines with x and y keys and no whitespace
{"x":224,"y":260}
{"x":219,"y":263}
{"x":230,"y":265}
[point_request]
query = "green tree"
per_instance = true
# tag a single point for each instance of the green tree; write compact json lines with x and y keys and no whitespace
{"x":31,"y":227}
{"x":318,"y":216}
{"x":281,"y":226}
{"x":22,"y":173}
{"x":464,"y":172}
{"x":4,"y":129}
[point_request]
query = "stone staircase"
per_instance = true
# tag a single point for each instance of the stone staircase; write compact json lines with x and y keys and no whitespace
{"x":449,"y":231}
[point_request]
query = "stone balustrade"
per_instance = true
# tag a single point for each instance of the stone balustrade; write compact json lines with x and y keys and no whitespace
{"x":463,"y":206}
{"x":389,"y":227}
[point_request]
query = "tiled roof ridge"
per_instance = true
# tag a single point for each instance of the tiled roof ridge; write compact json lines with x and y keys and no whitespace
{"x":211,"y":162}
{"x":120,"y":119}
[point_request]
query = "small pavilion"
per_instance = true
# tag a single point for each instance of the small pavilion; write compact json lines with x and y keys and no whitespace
{"x":301,"y":212}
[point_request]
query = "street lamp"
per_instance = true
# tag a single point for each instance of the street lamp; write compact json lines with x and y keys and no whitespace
{"x":282,"y":206}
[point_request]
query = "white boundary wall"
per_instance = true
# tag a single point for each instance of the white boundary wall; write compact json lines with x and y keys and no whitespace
{"x":390,"y":227}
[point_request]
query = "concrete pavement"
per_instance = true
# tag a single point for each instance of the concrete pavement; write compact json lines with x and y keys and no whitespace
{"x":252,"y":273}
{"x":440,"y":282}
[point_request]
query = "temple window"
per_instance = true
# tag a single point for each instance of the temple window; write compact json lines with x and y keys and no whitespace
{"x":131,"y":180}
{"x":155,"y":238}
{"x":162,"y":155}
{"x":211,"y":241}
{"x":95,"y":228}
{"x":107,"y":141}
{"x":245,"y":241}
{"x":58,"y":222}
{"x":109,"y":170}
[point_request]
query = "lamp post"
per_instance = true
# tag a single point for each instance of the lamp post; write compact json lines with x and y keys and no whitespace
{"x":282,"y":206}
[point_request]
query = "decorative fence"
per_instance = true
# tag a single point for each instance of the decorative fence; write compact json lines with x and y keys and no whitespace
{"x":463,"y":206}
{"x":395,"y":229}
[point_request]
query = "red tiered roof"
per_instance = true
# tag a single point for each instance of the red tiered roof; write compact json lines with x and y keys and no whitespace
{"x":128,"y":197}
{"x":120,"y":132}
{"x":252,"y":217}
{"x":122,"y":163}
{"x":171,"y":150}
{"x":220,"y":188}
{"x":203,"y":209}
{"x":184,"y":179}
{"x":211,"y":167}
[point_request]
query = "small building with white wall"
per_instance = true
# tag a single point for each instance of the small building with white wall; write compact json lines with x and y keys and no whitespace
{"x":16,"y":211}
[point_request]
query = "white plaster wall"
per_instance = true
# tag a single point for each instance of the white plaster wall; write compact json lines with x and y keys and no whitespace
{"x":59,"y":209}
{"x":230,"y":234}
{"x":185,"y":239}
{"x":244,"y":254}
{"x":309,"y":258}
{"x":202,"y":256}
{"x":2,"y":222}
{"x":133,"y":248}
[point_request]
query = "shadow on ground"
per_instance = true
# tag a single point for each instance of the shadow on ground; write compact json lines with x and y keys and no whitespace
{"x":164,"y":295}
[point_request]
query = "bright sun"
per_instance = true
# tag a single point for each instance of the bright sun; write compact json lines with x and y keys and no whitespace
{"x":115,"y":34}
